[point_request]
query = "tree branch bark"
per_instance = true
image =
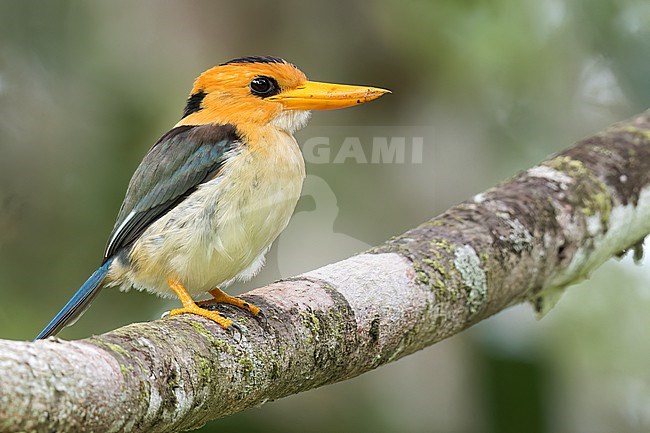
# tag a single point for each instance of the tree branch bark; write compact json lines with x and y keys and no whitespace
{"x":524,"y":240}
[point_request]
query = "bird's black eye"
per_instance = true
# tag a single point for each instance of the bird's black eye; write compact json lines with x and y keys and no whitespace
{"x":264,"y":87}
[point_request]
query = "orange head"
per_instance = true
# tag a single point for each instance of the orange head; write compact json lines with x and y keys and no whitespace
{"x":261,"y":91}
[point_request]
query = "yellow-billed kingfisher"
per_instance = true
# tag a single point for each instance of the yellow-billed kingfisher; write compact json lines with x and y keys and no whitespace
{"x":214,"y":192}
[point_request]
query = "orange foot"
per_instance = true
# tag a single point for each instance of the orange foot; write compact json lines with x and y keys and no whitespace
{"x":221,"y":297}
{"x":189,"y":306}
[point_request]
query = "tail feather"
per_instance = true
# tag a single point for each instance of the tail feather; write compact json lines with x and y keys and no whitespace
{"x":78,"y":304}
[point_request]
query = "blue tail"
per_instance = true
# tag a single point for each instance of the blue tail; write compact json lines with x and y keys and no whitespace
{"x":78,"y":304}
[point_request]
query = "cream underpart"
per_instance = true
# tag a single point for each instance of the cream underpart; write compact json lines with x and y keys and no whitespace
{"x":221,"y":232}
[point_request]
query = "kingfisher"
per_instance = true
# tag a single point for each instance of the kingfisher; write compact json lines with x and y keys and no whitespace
{"x":214,"y":192}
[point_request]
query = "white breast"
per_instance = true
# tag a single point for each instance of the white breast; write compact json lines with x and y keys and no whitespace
{"x":221,"y":231}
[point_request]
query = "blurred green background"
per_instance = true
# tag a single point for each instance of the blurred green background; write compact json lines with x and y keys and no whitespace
{"x":492,"y":87}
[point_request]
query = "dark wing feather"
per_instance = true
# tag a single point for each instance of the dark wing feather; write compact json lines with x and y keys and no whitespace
{"x":174,"y":167}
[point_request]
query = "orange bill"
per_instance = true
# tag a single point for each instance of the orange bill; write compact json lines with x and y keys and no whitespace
{"x":313,"y":95}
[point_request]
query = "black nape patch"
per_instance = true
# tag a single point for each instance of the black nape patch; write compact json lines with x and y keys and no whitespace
{"x":194,"y":103}
{"x":255,"y":59}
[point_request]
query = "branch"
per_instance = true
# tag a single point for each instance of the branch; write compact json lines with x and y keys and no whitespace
{"x":524,"y":240}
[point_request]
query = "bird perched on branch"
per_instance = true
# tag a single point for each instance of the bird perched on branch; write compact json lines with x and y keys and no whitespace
{"x":214,"y":192}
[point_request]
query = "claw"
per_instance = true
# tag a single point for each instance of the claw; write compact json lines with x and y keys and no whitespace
{"x":236,"y":331}
{"x":262,"y":318}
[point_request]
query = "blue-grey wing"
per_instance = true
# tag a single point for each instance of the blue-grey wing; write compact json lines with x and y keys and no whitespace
{"x":174,"y":167}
